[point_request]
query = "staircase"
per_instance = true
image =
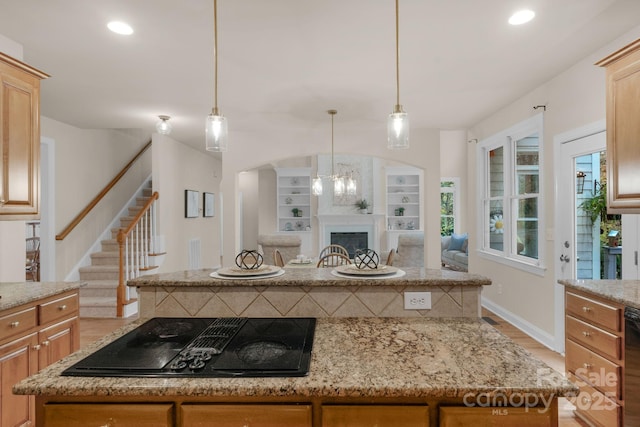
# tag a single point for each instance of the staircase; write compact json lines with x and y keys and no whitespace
{"x":98,"y":297}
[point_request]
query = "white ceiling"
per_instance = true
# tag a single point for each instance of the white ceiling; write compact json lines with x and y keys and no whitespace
{"x":283,"y":63}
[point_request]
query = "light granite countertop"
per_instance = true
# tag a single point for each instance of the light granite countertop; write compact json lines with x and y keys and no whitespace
{"x":626,"y":292}
{"x":296,"y":276}
{"x":14,"y":294}
{"x":355,"y":358}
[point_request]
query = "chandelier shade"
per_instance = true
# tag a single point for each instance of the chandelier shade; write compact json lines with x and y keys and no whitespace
{"x":163,"y":126}
{"x":341,"y":184}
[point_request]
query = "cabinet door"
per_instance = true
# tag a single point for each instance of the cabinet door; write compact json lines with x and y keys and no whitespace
{"x":19,"y":144}
{"x":246,"y":415}
{"x":108,"y":415}
{"x":58,"y":341}
{"x":375,"y":415}
{"x":454,"y":416}
{"x":18,"y":360}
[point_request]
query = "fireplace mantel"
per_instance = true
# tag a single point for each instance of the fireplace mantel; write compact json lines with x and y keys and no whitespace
{"x":370,"y":223}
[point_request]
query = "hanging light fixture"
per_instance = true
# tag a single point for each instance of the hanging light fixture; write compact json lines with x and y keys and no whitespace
{"x":216,"y":126}
{"x":398,"y":121}
{"x":580,"y":177}
{"x":163,"y":126}
{"x":341,"y":184}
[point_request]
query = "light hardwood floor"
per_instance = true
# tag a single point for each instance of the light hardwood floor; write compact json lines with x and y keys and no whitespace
{"x":93,"y":329}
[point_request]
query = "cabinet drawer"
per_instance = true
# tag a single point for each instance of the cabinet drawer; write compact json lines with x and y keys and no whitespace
{"x":245,"y":415}
{"x":375,"y":415}
{"x":594,"y":369}
{"x":594,"y":312}
{"x":601,"y":341}
{"x":58,"y":308}
{"x":458,"y":416}
{"x":16,"y":323}
{"x":595,"y":406}
{"x":120,"y":415}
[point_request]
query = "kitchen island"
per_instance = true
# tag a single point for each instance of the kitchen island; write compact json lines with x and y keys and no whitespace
{"x":314,"y":292}
{"x":390,"y":371}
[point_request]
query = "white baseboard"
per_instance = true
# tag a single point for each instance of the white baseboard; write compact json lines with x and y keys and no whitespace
{"x":533,"y":331}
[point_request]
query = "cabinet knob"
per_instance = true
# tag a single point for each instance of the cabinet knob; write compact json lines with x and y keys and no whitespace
{"x":36,"y":347}
{"x":62,"y":307}
{"x":586,"y":309}
{"x":586,"y":400}
{"x":586,"y":333}
{"x":14,"y":324}
{"x":586,"y":365}
{"x":110,"y":423}
{"x":45,"y":343}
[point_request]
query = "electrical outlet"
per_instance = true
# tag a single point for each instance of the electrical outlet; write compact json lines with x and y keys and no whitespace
{"x":417,"y":300}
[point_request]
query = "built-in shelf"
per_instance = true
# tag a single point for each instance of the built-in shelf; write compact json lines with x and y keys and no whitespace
{"x":294,"y":195}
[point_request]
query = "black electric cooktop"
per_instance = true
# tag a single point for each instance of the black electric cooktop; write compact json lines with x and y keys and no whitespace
{"x":206,"y":347}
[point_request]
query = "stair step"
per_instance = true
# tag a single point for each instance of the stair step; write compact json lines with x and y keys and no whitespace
{"x":99,"y":288}
{"x":105,"y":258}
{"x":99,"y":272}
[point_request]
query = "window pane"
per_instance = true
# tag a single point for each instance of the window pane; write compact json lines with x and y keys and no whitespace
{"x":496,"y":226}
{"x":527,"y":227}
{"x":527,"y":166}
{"x":446,"y":226}
{"x":496,"y":172}
{"x":446,"y":203}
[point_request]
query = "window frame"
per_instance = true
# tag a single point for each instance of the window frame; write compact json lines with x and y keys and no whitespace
{"x":455,"y":190}
{"x":507,"y":139}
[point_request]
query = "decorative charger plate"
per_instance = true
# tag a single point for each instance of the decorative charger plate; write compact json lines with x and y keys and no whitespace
{"x":352,"y":270}
{"x":263,"y":270}
{"x":306,"y":261}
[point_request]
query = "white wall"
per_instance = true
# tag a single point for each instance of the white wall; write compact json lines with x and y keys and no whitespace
{"x":453,"y":163}
{"x":176,"y":168}
{"x":574,"y":98}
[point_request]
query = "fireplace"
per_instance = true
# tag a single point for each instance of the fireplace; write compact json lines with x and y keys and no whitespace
{"x":351,"y":241}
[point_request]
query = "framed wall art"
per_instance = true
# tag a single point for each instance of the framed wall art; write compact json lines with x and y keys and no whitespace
{"x":191,"y":204}
{"x":208,"y":203}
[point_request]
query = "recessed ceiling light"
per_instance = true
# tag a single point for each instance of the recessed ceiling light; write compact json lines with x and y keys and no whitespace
{"x":120,"y":27}
{"x":521,"y":17}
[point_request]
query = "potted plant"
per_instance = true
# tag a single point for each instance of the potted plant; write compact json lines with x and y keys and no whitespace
{"x":362,"y":205}
{"x":296,"y":212}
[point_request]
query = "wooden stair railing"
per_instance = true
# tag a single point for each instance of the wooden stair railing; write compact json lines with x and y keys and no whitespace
{"x":135,"y":244}
{"x":100,"y":195}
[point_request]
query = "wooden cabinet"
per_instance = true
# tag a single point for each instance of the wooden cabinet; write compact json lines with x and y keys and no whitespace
{"x":375,"y":415}
{"x":19,"y":140}
{"x":247,"y":415}
{"x":623,"y":129}
{"x":108,"y":415}
{"x":458,"y":416}
{"x":33,"y":336}
{"x":594,"y":358}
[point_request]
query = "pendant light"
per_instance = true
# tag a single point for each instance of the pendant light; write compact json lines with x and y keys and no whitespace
{"x":398,"y":121}
{"x":341,"y":184}
{"x":216,"y":126}
{"x":163,"y":126}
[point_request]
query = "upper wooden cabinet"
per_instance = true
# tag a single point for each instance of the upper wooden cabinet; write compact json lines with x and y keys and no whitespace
{"x":623,"y":129}
{"x":19,"y":140}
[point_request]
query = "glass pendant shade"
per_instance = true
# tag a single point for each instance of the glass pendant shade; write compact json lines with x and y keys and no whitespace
{"x":316,"y":186}
{"x":338,"y":186}
{"x":398,"y":129}
{"x":351,"y":186}
{"x":163,"y":126}
{"x":216,"y":132}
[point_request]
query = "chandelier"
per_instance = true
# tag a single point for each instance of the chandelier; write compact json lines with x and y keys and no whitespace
{"x":216,"y":126}
{"x":341,"y":184}
{"x":398,"y":120}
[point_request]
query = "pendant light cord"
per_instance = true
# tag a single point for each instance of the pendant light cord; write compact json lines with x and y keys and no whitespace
{"x":332,"y":112}
{"x":397,"y":56}
{"x":215,"y":57}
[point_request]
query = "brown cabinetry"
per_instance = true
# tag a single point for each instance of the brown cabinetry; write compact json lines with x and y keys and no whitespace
{"x":595,"y":356}
{"x":375,"y":415}
{"x":19,"y":139}
{"x":246,"y":415}
{"x":109,"y":415}
{"x":623,"y":129}
{"x":457,"y":416}
{"x":32,"y":336}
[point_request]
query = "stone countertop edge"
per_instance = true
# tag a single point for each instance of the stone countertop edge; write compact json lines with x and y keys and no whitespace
{"x":355,"y":358}
{"x":625,"y":292}
{"x":15,"y":294}
{"x":311,"y":277}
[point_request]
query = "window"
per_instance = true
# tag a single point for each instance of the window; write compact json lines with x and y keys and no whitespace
{"x":509,"y":183}
{"x":449,"y":205}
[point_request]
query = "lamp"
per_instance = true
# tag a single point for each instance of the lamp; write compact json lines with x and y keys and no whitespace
{"x":163,"y":126}
{"x":216,"y":126}
{"x":398,"y":121}
{"x":341,"y":184}
{"x":580,"y":176}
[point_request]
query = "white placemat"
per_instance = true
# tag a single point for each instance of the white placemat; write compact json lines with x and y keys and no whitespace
{"x":397,"y":274}
{"x":215,"y":275}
